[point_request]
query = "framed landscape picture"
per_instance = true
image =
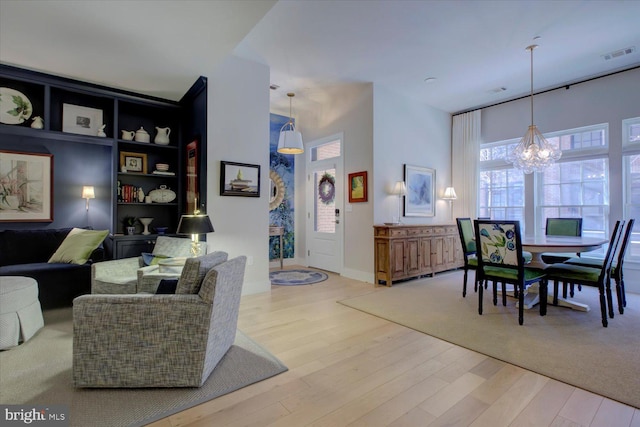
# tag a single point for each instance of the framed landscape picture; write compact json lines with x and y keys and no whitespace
{"x":26,"y":187}
{"x":420,"y":197}
{"x":239,"y":179}
{"x":358,"y":187}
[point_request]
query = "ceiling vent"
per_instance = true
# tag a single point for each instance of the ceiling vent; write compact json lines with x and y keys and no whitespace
{"x":618,"y":53}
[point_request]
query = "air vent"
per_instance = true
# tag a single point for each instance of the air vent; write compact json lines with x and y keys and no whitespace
{"x":274,"y":87}
{"x":618,"y":53}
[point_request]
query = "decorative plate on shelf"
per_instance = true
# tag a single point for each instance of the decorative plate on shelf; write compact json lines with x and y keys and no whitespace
{"x":15,"y":107}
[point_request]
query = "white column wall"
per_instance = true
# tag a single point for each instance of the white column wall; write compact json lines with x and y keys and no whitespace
{"x":238,"y":131}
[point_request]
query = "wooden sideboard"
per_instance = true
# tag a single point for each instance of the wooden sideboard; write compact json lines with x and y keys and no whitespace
{"x":408,"y":251}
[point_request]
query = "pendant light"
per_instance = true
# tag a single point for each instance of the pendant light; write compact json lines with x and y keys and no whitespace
{"x":290,"y":141}
{"x":533,"y":153}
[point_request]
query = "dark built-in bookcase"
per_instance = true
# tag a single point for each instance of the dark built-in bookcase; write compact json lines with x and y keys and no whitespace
{"x":99,"y":156}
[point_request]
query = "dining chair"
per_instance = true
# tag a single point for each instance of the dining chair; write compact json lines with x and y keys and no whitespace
{"x":616,"y":267}
{"x":589,"y":276}
{"x":500,"y":259}
{"x":561,"y":227}
{"x":467,"y":239}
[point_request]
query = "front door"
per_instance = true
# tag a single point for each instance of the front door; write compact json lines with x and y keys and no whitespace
{"x":324,"y":204}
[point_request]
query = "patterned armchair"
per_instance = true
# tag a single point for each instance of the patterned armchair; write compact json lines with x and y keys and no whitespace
{"x":147,"y":340}
{"x":130,"y":275}
{"x":501,"y":260}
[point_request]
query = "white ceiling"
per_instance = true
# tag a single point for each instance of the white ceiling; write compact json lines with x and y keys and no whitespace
{"x":315,"y":47}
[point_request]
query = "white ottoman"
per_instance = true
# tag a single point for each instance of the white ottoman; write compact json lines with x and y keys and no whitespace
{"x":20,"y":313}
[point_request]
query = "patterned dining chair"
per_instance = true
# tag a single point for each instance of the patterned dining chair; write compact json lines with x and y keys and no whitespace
{"x":616,"y":267}
{"x":500,"y":259}
{"x":589,"y":276}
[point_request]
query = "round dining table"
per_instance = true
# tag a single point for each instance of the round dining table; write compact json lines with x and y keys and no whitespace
{"x":538,"y":245}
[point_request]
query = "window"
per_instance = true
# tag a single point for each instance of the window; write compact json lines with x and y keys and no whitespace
{"x":576,"y":186}
{"x":501,"y":187}
{"x":631,"y":177}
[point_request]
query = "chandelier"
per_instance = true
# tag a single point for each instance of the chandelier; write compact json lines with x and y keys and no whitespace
{"x":533,"y":153}
{"x":290,"y":141}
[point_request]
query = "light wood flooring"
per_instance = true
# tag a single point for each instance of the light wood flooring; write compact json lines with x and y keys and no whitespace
{"x":348,"y":368}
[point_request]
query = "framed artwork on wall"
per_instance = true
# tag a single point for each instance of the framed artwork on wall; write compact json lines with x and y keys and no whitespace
{"x":420,"y":197}
{"x":358,"y":187}
{"x":239,"y":179}
{"x":133,"y":162}
{"x":192,"y":176}
{"x":26,"y":187}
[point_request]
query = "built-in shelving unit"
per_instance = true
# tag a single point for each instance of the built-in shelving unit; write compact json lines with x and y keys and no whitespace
{"x":94,"y":105}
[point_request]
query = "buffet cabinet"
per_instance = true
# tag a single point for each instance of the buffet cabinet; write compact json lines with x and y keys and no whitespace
{"x":411,"y":251}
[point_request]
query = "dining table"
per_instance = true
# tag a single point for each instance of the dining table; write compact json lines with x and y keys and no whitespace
{"x":538,"y":245}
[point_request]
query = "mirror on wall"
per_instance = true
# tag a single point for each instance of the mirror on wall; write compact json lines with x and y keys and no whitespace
{"x":276,"y":190}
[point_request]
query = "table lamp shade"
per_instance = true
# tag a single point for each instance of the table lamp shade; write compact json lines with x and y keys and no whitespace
{"x":195,"y":224}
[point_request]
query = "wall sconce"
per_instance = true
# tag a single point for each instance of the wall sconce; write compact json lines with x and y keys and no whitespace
{"x":400,"y":189}
{"x":195,"y":225}
{"x":88,"y":193}
{"x":450,"y":195}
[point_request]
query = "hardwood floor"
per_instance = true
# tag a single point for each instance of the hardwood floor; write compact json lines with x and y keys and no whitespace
{"x":348,"y":368}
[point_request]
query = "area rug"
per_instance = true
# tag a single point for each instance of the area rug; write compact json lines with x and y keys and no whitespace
{"x":38,"y":372}
{"x":567,"y":345}
{"x":296,"y":277}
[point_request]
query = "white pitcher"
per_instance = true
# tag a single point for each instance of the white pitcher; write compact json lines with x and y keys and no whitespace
{"x":162,"y":137}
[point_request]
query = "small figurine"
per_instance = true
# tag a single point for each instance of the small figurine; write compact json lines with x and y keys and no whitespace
{"x":37,"y":123}
{"x":101,"y":131}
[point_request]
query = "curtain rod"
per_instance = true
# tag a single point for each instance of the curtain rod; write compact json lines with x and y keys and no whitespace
{"x":565,"y":86}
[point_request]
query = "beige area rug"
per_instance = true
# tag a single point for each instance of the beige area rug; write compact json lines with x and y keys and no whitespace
{"x":38,"y":372}
{"x":567,"y":345}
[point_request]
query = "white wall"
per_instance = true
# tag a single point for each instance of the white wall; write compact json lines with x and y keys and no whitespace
{"x":348,"y":110}
{"x":238,"y":131}
{"x":406,"y":132}
{"x":606,"y":100}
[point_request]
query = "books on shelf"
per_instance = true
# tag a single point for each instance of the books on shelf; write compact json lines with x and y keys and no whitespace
{"x":163,"y":173}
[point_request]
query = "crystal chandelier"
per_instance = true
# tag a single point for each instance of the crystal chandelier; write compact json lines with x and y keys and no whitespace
{"x":533,"y":153}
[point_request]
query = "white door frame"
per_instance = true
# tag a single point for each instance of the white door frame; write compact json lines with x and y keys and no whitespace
{"x":338,"y":163}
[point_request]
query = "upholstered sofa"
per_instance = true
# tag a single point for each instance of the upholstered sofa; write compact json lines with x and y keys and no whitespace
{"x":133,"y":275}
{"x":27,"y":252}
{"x":146,"y":340}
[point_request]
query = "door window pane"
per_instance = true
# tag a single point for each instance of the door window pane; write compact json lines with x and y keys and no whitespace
{"x":325,"y":201}
{"x":326,"y":151}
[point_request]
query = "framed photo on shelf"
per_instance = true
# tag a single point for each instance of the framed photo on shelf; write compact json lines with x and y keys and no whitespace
{"x":133,"y":162}
{"x":239,"y":179}
{"x":420,"y":197}
{"x":81,"y":120}
{"x":358,"y":187}
{"x":26,"y":187}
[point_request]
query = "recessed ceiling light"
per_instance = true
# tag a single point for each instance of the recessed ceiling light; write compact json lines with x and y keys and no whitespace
{"x":430,"y":80}
{"x":274,"y":87}
{"x":498,"y":90}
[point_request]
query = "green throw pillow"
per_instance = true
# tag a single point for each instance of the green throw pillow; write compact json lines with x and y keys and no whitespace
{"x":76,"y":248}
{"x":151,"y":259}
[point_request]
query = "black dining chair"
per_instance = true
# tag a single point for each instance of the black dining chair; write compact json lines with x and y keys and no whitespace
{"x":467,"y":239}
{"x":589,"y":276}
{"x":561,"y":227}
{"x":617,"y":271}
{"x":500,"y":259}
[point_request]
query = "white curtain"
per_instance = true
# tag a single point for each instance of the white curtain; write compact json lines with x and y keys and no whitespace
{"x":465,"y":149}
